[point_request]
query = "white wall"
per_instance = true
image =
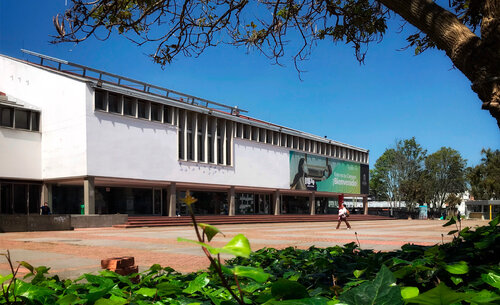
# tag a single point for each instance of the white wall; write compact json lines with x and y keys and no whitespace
{"x":20,"y":154}
{"x":62,"y":102}
{"x":132,"y":148}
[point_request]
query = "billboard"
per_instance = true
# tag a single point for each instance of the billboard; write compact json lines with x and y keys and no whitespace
{"x":312,"y":172}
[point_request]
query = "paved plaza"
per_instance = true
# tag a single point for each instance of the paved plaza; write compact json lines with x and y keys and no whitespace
{"x":71,"y":253}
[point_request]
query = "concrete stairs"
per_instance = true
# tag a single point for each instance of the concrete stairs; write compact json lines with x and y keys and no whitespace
{"x":161,"y":221}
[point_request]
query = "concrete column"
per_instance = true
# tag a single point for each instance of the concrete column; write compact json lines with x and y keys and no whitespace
{"x":276,"y":202}
{"x":231,"y":198}
{"x":365,"y":205}
{"x":312,"y":203}
{"x":46,"y":195}
{"x":89,"y":195}
{"x":172,"y":199}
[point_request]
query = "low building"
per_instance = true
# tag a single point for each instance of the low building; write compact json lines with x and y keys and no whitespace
{"x":91,"y":142}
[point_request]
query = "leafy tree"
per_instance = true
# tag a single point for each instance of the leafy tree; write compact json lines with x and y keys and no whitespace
{"x":446,"y":173}
{"x":397,"y":174}
{"x":468,"y":31}
{"x":484,"y":179}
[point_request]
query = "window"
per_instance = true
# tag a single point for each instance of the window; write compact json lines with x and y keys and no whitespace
{"x":167,"y":114}
{"x":283,"y":140}
{"x":246,"y":131}
{"x":35,"y":121}
{"x":6,"y":116}
{"x":200,"y":138}
{"x":210,"y":140}
{"x":269,"y":136}
{"x":191,"y":117}
{"x":262,"y":135}
{"x":289,"y":141}
{"x":22,"y":119}
{"x":255,"y":133}
{"x":142,"y":109}
{"x":228,"y":142}
{"x":220,"y":152}
{"x":156,"y":113}
{"x":114,"y":103}
{"x":181,"y":136}
{"x":128,"y":106}
{"x":100,"y":100}
{"x":276,"y":138}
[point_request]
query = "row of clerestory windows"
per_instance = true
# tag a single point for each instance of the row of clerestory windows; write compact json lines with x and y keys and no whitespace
{"x":19,"y":118}
{"x":208,"y":139}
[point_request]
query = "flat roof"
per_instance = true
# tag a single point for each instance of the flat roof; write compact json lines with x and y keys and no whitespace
{"x":120,"y":84}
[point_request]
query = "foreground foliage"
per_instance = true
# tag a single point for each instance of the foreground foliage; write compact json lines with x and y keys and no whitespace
{"x":464,"y":271}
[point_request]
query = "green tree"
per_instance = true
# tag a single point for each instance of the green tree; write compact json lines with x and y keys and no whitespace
{"x":397,"y":174}
{"x":445,"y":170}
{"x":484,"y":179}
{"x":467,"y":31}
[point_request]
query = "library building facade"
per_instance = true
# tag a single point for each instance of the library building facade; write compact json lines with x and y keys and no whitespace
{"x":90,"y":142}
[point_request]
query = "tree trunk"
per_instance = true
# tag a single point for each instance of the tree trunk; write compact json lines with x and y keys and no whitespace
{"x":478,"y":58}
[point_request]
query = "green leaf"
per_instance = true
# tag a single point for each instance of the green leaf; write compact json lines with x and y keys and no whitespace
{"x":169,"y":288}
{"x":452,"y":232}
{"x":210,"y":231}
{"x":440,"y":295}
{"x":495,"y":221}
{"x":32,"y":292}
{"x":67,"y":299}
{"x":452,"y":221}
{"x":256,"y":274}
{"x":286,"y":290}
{"x":147,"y":292}
{"x":199,"y":282}
{"x":238,"y":246}
{"x":27,"y":266}
{"x":409,"y":292}
{"x":5,"y":278}
{"x":358,"y":273}
{"x":382,"y":290}
{"x":113,"y":300}
{"x":456,"y":280}
{"x":457,"y":268}
{"x":492,"y":279}
{"x":484,"y":297}
{"x":305,"y":301}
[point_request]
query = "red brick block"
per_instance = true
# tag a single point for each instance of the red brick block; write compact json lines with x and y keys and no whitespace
{"x":117,"y":262}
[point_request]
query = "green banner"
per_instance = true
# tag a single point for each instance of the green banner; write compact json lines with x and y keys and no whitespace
{"x":311,"y":172}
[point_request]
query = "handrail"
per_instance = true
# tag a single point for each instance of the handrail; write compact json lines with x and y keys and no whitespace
{"x":142,"y":86}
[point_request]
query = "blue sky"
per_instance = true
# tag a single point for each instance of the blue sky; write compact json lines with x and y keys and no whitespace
{"x":394,"y":95}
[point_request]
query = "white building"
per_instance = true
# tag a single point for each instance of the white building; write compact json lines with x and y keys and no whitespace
{"x":74,"y":136}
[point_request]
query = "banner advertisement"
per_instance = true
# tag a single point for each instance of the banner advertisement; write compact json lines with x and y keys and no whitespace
{"x":311,"y":172}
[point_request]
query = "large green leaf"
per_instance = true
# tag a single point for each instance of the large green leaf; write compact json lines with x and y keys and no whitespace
{"x":32,"y":292}
{"x":5,"y":278}
{"x":484,"y":297}
{"x":257,"y":274}
{"x":305,"y":301}
{"x":457,"y":268}
{"x":113,"y":300}
{"x":210,"y":231}
{"x":147,"y":292}
{"x":199,"y":282}
{"x":67,"y":299}
{"x":382,"y":290}
{"x":169,"y":288}
{"x":409,"y":292}
{"x":238,"y":246}
{"x":495,"y":221}
{"x":440,"y":295}
{"x":358,"y":273}
{"x":492,"y":279}
{"x":452,"y":221}
{"x":287,"y":290}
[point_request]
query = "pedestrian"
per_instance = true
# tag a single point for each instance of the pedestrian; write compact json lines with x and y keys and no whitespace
{"x":459,"y":217}
{"x":44,"y":209}
{"x":343,"y":213}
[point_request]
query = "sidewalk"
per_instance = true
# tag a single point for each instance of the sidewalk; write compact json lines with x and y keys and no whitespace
{"x":71,"y":253}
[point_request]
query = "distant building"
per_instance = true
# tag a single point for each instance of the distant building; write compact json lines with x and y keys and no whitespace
{"x":89,"y":141}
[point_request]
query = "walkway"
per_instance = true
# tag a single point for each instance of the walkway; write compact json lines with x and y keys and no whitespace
{"x":71,"y":253}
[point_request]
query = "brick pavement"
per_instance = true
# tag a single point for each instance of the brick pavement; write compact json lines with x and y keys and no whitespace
{"x":71,"y":253}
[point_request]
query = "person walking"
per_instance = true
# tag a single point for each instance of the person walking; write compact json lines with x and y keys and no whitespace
{"x":343,"y":213}
{"x":44,"y":209}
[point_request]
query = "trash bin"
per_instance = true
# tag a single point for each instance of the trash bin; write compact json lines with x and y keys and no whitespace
{"x":82,"y":209}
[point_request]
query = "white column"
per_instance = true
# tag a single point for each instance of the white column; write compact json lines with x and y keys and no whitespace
{"x":89,"y":195}
{"x":172,"y":199}
{"x":232,"y":201}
